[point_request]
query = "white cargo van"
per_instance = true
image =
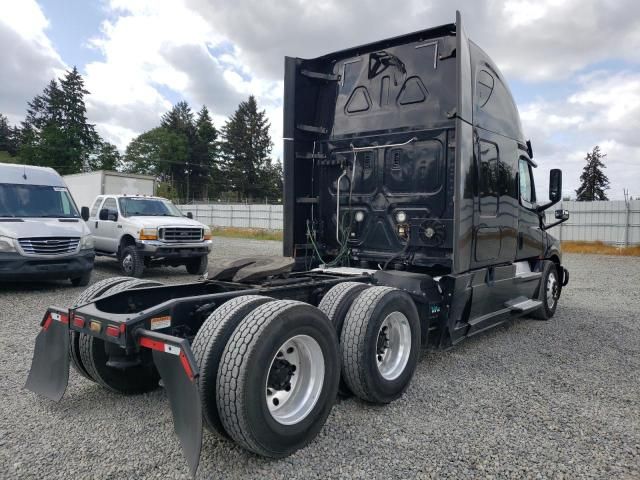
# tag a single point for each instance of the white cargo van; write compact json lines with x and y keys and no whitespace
{"x":41,"y":233}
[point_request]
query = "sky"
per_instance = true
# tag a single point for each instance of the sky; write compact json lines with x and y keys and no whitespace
{"x":572,"y":65}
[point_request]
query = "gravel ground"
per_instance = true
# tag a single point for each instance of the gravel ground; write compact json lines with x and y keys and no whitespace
{"x":557,"y":399}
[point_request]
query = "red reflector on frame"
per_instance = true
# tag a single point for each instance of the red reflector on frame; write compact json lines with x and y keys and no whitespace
{"x":112,"y":331}
{"x":78,"y":322}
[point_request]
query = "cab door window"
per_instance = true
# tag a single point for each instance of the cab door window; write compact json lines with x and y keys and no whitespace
{"x":94,"y":208}
{"x":527,"y":188}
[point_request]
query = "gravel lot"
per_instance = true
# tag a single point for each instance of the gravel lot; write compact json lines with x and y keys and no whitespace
{"x":531,"y":399}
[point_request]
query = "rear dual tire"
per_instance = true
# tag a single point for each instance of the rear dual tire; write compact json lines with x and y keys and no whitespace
{"x":278,"y":378}
{"x":380,"y":344}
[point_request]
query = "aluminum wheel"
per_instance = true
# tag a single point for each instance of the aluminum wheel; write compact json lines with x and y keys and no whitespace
{"x":295,"y":380}
{"x":552,"y":290}
{"x":393,"y":346}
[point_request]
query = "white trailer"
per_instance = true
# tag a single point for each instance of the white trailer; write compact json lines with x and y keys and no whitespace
{"x":85,"y":187}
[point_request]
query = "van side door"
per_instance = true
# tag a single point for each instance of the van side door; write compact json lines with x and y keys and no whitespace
{"x":530,"y":236}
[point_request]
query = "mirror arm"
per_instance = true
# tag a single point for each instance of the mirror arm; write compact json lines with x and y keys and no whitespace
{"x":542,"y":208}
{"x":554,"y":224}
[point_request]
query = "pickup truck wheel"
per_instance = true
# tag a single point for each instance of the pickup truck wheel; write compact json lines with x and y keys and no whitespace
{"x":81,"y":281}
{"x":94,"y":353}
{"x":549,"y":292}
{"x":335,"y":304}
{"x":94,"y":291}
{"x":278,"y":378}
{"x":208,"y":346}
{"x":131,"y":262}
{"x":197,"y":266}
{"x":380,"y":344}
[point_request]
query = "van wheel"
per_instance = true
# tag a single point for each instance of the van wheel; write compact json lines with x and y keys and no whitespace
{"x":197,"y":266}
{"x":548,"y":293}
{"x":278,"y":378}
{"x":94,"y":291}
{"x":380,"y":344}
{"x":208,"y":347}
{"x":82,"y":281}
{"x":94,"y":353}
{"x":335,"y":304}
{"x":131,"y":262}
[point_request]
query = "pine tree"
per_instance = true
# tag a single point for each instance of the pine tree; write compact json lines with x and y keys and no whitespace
{"x":206,"y":175}
{"x":179,"y":120}
{"x":81,"y":139}
{"x":246,"y":150}
{"x":593,"y":180}
{"x":56,"y":132}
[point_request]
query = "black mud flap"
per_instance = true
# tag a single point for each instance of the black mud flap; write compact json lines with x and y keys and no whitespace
{"x":179,"y":372}
{"x":49,"y":372}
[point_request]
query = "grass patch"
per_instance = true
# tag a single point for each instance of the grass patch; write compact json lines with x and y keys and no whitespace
{"x":600,"y":248}
{"x":252,"y":233}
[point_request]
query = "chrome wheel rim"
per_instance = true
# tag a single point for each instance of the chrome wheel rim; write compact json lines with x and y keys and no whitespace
{"x":295,"y":379}
{"x":127,"y":263}
{"x":552,"y":290}
{"x":393,"y":345}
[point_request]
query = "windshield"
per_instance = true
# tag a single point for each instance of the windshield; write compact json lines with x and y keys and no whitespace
{"x":36,"y":201}
{"x":148,"y":207}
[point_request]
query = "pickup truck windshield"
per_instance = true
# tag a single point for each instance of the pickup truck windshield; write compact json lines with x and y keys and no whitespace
{"x":148,"y":207}
{"x":42,"y":201}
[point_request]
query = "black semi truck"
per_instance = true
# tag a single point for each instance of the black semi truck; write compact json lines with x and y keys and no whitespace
{"x":411,"y":222}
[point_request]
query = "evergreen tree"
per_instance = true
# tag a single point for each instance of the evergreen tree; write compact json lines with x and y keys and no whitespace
{"x":246,"y":150}
{"x":8,"y":137}
{"x":206,"y":178}
{"x":81,"y":138}
{"x":179,"y":120}
{"x":56,"y":132}
{"x":593,"y":180}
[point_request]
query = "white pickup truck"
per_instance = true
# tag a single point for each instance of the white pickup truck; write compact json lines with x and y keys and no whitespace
{"x":141,"y":231}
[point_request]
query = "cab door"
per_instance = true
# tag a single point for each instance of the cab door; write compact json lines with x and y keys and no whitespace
{"x":530,"y":236}
{"x":105,"y":229}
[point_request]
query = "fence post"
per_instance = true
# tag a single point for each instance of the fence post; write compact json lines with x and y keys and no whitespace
{"x":231,"y":216}
{"x":249,"y":211}
{"x":270,"y":209}
{"x":627,"y":205}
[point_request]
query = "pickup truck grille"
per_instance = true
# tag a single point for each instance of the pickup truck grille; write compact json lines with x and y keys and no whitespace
{"x":180,"y":235}
{"x":49,"y":245}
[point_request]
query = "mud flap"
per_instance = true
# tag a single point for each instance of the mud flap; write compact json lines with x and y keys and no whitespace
{"x":178,"y":369}
{"x":49,"y":372}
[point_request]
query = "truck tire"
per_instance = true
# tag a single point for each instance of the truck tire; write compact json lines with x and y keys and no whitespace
{"x":131,"y":261}
{"x":335,"y":305}
{"x":380,"y":344}
{"x":94,"y":291}
{"x":93,"y":352}
{"x":278,"y":378}
{"x":208,"y":346}
{"x":197,"y":266}
{"x":548,"y":292}
{"x":81,"y":281}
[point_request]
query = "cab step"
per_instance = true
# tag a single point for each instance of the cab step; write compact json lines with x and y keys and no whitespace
{"x":523,"y":304}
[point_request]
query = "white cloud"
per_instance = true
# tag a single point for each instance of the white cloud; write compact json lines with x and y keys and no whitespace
{"x":27,"y":56}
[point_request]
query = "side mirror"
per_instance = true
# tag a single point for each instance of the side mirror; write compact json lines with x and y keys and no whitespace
{"x":113,"y":216}
{"x":555,"y":185}
{"x":562,"y":215}
{"x":190,"y":215}
{"x":104,"y":214}
{"x":84,"y":213}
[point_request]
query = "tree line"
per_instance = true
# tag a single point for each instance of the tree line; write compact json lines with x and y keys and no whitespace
{"x":191,"y":159}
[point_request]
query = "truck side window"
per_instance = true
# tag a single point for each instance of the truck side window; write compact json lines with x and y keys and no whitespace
{"x":94,"y":208}
{"x":488,"y":178}
{"x":110,"y":203}
{"x":527,"y":191}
